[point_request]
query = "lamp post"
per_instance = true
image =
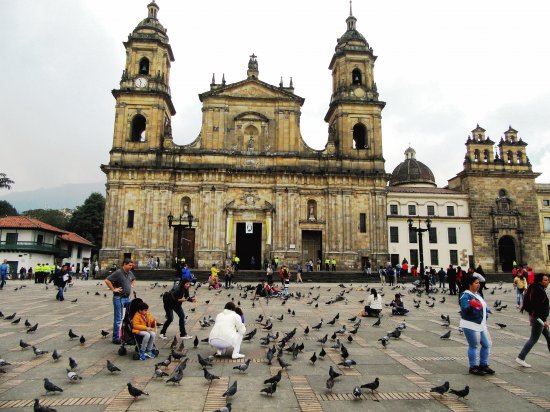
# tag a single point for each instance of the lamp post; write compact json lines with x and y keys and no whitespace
{"x":419,"y":230}
{"x":181,"y":225}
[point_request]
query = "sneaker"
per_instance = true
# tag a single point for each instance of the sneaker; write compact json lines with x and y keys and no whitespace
{"x":237,"y":356}
{"x":186,"y":337}
{"x":522,"y":363}
{"x":163,"y":336}
{"x":150,"y":355}
{"x":142,"y":356}
{"x":474,"y":370}
{"x":486,"y":369}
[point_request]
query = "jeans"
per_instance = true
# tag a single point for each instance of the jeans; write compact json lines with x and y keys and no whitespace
{"x":119,"y":303}
{"x":472,"y":338}
{"x":59,"y":295}
{"x":536,"y":330}
{"x":519,"y":296}
{"x":148,"y":340}
{"x":3,"y":281}
{"x":169,"y":309}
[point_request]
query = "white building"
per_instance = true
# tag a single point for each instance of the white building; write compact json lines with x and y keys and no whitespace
{"x":26,"y":242}
{"x":413,"y":195}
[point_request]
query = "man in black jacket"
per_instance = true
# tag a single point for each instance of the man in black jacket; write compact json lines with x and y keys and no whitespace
{"x":536,"y":303}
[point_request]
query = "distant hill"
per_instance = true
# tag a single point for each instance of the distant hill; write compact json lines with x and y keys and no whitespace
{"x":59,"y":197}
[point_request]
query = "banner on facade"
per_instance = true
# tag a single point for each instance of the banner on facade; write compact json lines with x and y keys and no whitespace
{"x":249,"y":227}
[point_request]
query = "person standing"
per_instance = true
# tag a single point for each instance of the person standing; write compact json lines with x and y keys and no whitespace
{"x":269,"y":275}
{"x":368,"y":267}
{"x":382,"y":274}
{"x":441,"y":274}
{"x":213,"y":281}
{"x":4,"y":270}
{"x":451,"y":278}
{"x":318,"y":264}
{"x":237,"y":260}
{"x":60,"y":279}
{"x":520,"y":283}
{"x":327,"y":264}
{"x":172,"y":302}
{"x":228,"y":275}
{"x":120,"y":282}
{"x":158,"y":263}
{"x":333,"y":264}
{"x":473,"y":314}
{"x":536,"y":304}
{"x":299,"y":273}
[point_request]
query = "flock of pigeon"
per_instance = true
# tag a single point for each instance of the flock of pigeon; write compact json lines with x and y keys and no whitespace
{"x":279,"y":345}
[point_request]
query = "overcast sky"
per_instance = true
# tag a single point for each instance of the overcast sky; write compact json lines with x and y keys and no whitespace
{"x":443,"y":67}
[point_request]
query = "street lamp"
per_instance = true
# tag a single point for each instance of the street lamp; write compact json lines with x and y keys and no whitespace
{"x":419,"y":230}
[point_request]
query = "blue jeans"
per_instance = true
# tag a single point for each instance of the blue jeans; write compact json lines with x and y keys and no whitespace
{"x":118,"y":304}
{"x":472,"y":338}
{"x":536,"y":330}
{"x":519,"y":295}
{"x":4,"y":277}
{"x":59,"y":295}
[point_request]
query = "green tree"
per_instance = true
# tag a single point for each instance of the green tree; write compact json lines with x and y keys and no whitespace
{"x":87,"y":219}
{"x":6,"y":209}
{"x":50,"y":216}
{"x":5,"y":181}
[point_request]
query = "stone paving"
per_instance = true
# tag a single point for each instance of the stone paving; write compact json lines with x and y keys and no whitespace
{"x":407,"y":368}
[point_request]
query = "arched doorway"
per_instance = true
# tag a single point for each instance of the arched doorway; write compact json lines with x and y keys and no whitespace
{"x":507,"y":252}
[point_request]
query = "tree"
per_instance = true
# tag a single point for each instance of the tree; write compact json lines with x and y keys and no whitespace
{"x":87,"y":219}
{"x":5,"y":182}
{"x":50,"y":216}
{"x":6,"y":209}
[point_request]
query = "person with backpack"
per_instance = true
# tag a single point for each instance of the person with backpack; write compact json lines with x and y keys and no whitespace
{"x":172,"y":302}
{"x":535,"y":302}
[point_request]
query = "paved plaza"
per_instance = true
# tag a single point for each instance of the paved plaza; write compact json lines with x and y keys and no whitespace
{"x":407,"y":368}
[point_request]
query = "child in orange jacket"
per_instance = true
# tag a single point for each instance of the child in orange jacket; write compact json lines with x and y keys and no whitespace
{"x":144,"y":324}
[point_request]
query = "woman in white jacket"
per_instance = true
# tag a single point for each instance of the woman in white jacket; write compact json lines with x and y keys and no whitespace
{"x":228,"y":332}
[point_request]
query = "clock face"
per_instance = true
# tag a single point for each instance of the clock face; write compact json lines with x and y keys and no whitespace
{"x":140,"y":82}
{"x":359,"y":92}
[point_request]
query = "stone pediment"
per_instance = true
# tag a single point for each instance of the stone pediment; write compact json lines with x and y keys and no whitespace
{"x":251,"y":89}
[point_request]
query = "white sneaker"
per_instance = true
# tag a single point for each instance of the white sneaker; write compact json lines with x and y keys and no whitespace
{"x":523,"y":363}
{"x":237,"y":356}
{"x":162,"y":336}
{"x":186,"y":337}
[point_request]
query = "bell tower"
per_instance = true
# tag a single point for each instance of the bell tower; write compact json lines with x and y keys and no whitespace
{"x":143,"y":102}
{"x":355,"y":112}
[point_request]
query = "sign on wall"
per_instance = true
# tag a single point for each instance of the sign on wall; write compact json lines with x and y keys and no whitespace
{"x":249,"y":227}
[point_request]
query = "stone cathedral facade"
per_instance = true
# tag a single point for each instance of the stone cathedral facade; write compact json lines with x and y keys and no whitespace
{"x":253,"y":187}
{"x":250,"y":186}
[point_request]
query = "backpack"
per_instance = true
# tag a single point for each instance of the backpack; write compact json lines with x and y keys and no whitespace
{"x":527,"y":301}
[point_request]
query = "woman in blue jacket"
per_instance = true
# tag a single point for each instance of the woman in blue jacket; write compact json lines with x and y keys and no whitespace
{"x":474,"y":313}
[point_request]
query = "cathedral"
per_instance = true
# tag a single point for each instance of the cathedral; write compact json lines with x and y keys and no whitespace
{"x":249,"y":185}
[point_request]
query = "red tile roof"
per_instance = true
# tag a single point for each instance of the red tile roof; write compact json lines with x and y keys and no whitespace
{"x":25,"y":222}
{"x":74,"y":238}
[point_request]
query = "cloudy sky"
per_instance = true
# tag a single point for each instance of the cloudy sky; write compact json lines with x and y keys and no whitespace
{"x":443,"y":67}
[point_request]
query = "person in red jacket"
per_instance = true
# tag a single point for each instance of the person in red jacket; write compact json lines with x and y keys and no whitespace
{"x":530,"y":276}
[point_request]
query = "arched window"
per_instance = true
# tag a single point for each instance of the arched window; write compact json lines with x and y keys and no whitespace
{"x":485,"y":156}
{"x":476,"y":155}
{"x":356,"y":77}
{"x":360,"y":137}
{"x":139,"y":125}
{"x":144,"y":66}
{"x":502,"y":193}
{"x":509,"y":157}
{"x":311,"y":210}
{"x":519,"y":157}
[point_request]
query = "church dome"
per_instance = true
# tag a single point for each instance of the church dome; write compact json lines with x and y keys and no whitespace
{"x":150,"y":24}
{"x":412,"y":172}
{"x":352,"y":39}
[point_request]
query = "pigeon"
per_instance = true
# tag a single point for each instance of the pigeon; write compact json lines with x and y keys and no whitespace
{"x":196,"y":342}
{"x":280,"y":318}
{"x":350,"y":338}
{"x":111,"y":367}
{"x":176,"y":377}
{"x":331,"y":322}
{"x":332,"y":373}
{"x":135,"y":392}
{"x":352,"y":319}
{"x":42,"y":408}
{"x":330,"y":384}
{"x":445,"y":335}
{"x":395,"y":334}
{"x":357,"y":392}
{"x":209,"y":376}
{"x":82,"y":340}
{"x":269,"y":357}
{"x":174,"y":343}
{"x":282,"y":363}
{"x":11,"y":317}
{"x":72,"y":363}
{"x":203,"y":362}
{"x":55,"y":355}
{"x":385,"y":340}
{"x":313,"y":358}
{"x":32,"y":328}
{"x":243,"y":366}
{"x":323,"y":340}
{"x":441,"y":389}
{"x":72,"y":335}
{"x":377,"y":323}
{"x":501,"y":325}
{"x":4,"y":363}
{"x":73,"y":376}
{"x":226,"y":408}
{"x":323,"y":353}
{"x":39,"y":352}
{"x":177,"y":355}
{"x":74,"y":300}
{"x":372,"y":385}
{"x":274,"y":379}
{"x":16,"y":321}
{"x":159,"y":373}
{"x":232,"y":390}
{"x":270,"y":390}
{"x":51,"y":387}
{"x":348,"y":363}
{"x":306,"y":330}
{"x":460,"y":393}
{"x":23,"y":344}
{"x":104,"y":333}
{"x":165,"y":362}
{"x":318,"y":326}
